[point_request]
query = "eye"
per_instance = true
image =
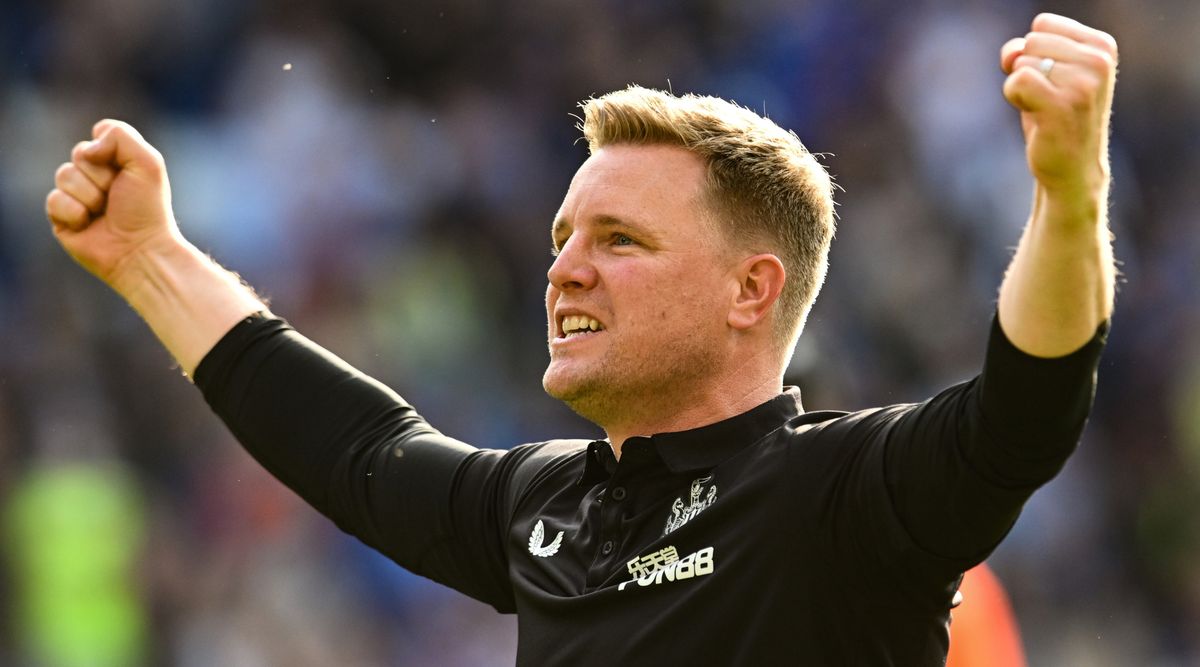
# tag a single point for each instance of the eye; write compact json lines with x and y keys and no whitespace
{"x":556,"y":245}
{"x":622,"y":239}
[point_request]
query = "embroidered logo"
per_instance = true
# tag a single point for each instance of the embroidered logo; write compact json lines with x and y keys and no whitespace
{"x":699,"y":501}
{"x":538,"y":536}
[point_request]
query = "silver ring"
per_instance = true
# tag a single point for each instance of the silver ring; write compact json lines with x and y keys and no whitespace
{"x":1046,"y":66}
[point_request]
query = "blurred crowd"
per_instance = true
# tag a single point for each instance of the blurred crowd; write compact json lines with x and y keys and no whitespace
{"x":386,"y":172}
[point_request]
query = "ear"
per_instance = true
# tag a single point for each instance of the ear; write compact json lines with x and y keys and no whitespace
{"x":759,"y":283}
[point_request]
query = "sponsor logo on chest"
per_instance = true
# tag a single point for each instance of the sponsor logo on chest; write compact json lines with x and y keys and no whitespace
{"x":666,"y":565}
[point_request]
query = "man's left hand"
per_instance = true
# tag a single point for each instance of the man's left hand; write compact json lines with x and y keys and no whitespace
{"x":1061,"y":76}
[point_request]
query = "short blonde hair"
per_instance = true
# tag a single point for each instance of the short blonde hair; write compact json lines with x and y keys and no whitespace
{"x":766,"y":188}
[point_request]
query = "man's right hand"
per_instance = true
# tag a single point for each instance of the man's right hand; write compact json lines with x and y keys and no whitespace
{"x":111,"y":201}
{"x":111,"y":210}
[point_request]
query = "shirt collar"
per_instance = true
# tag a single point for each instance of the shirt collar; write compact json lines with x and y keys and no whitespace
{"x":706,"y":446}
{"x":598,"y":464}
{"x":710,"y":445}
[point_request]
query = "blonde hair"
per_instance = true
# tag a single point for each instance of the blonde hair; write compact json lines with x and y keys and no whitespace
{"x":767,"y":190}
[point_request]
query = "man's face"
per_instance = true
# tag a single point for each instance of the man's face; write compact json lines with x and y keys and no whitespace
{"x":638,"y":296}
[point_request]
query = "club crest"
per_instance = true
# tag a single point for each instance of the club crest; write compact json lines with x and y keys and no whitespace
{"x":698,"y":500}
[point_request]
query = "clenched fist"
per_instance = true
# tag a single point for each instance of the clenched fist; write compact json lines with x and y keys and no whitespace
{"x":1061,"y":77}
{"x":111,"y":201}
{"x":111,"y":210}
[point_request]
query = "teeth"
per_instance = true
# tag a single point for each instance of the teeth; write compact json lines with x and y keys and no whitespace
{"x":572,"y":324}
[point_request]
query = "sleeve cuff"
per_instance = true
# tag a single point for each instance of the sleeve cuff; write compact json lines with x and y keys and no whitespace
{"x":1036,"y":404}
{"x":237,"y":339}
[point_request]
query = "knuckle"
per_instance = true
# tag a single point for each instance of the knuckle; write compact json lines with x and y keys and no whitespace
{"x":1109,"y":60}
{"x":1079,"y":98}
{"x":94,"y":202}
{"x":1098,"y":60}
{"x":1024,"y":74}
{"x":76,"y":210}
{"x":57,"y":205}
{"x":64,"y":175}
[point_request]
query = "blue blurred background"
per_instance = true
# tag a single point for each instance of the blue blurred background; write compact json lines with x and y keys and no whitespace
{"x":386,"y":173}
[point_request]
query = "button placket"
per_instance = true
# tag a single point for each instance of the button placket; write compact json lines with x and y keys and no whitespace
{"x":614,"y":504}
{"x":610,"y":520}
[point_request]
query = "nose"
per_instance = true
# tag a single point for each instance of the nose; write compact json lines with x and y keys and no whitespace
{"x":573,"y":268}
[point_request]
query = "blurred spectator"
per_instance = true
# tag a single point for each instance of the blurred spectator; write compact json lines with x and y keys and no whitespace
{"x":984,"y":632}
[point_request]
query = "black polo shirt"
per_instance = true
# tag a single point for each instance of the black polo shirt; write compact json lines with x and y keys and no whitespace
{"x":773,"y":537}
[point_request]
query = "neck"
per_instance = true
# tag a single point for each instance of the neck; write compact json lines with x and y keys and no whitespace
{"x":695,"y":407}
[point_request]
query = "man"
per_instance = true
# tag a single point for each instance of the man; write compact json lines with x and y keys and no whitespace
{"x":718,"y":523}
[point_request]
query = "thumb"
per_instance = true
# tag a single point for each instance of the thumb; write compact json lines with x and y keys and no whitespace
{"x":1009,"y":53}
{"x":1027,"y":90}
{"x":118,"y":143}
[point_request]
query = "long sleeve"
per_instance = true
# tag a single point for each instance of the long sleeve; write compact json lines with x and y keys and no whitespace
{"x":960,"y":466}
{"x":362,"y":456}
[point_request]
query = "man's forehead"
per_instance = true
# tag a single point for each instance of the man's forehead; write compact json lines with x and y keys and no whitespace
{"x":621,"y":184}
{"x":638,"y":164}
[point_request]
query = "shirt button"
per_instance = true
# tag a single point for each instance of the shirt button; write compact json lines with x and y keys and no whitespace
{"x":618,"y":494}
{"x":606,"y":548}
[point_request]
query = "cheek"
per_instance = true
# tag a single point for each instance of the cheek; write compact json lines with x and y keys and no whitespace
{"x":675,"y":303}
{"x":681,"y":300}
{"x":697,"y":307}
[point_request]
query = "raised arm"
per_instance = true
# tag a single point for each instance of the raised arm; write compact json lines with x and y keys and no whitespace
{"x":349,"y":446}
{"x":1059,"y":286}
{"x":959,"y":467}
{"x":111,"y":211}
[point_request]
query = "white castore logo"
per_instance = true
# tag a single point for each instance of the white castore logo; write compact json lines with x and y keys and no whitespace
{"x":538,"y":536}
{"x":699,"y":501}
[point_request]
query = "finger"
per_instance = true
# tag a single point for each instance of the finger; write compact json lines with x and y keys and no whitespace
{"x":73,"y":182}
{"x":66,"y":211}
{"x":1068,"y":27}
{"x":120,"y":144}
{"x":107,"y":124}
{"x":1062,"y":74}
{"x":1027,"y":90}
{"x":1064,"y":49}
{"x":1009,"y":52}
{"x":100,"y":174}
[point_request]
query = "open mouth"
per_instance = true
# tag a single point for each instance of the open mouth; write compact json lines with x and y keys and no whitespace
{"x":578,"y":325}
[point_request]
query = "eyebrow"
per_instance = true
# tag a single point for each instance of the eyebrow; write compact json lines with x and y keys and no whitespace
{"x":603,"y":220}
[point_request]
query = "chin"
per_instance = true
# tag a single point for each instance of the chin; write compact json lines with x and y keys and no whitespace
{"x":580,"y":393}
{"x":559,"y":383}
